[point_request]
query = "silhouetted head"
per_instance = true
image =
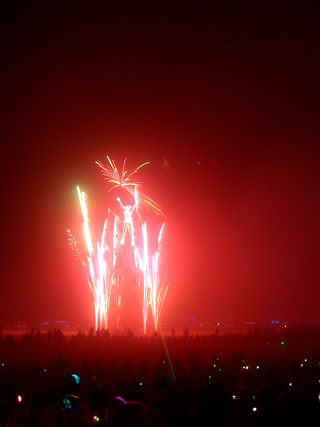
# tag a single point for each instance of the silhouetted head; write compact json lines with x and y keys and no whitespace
{"x":266,"y":396}
{"x":7,"y":416}
{"x":210,"y":401}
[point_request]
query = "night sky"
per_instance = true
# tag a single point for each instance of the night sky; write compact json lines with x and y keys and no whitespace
{"x":222,"y":98}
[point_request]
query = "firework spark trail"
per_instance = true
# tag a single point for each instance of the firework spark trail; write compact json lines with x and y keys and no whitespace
{"x":146,"y":280}
{"x":162,"y":292}
{"x":107,"y":263}
{"x":154,"y":280}
{"x":154,"y":288}
{"x":159,"y":285}
{"x":82,"y":199}
{"x":114,"y":242}
{"x":101,"y":285}
{"x":97,"y":281}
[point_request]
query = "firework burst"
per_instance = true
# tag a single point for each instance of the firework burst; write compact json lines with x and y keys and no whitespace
{"x":124,"y":180}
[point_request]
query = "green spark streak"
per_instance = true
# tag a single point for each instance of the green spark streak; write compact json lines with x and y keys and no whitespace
{"x":165,"y":346}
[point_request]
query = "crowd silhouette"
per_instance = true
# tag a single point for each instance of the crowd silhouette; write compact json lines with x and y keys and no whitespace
{"x":51,"y":379}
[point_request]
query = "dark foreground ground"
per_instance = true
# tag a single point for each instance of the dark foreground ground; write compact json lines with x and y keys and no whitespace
{"x":260,"y":377}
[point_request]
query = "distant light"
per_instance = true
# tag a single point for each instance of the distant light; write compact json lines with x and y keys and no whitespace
{"x":234,"y":397}
{"x":19,"y":398}
{"x":290,"y":384}
{"x":254,"y":409}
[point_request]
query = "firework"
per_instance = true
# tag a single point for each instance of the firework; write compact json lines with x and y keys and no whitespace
{"x":118,"y":179}
{"x":123,"y":179}
{"x":118,"y":263}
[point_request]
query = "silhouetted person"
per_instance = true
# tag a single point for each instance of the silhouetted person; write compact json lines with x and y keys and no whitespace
{"x":267,"y":403}
{"x":210,"y":405}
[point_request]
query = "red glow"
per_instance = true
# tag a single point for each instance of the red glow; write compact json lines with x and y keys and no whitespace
{"x":223,"y":100}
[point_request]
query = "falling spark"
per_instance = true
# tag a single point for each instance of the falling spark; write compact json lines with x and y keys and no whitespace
{"x":73,"y":243}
